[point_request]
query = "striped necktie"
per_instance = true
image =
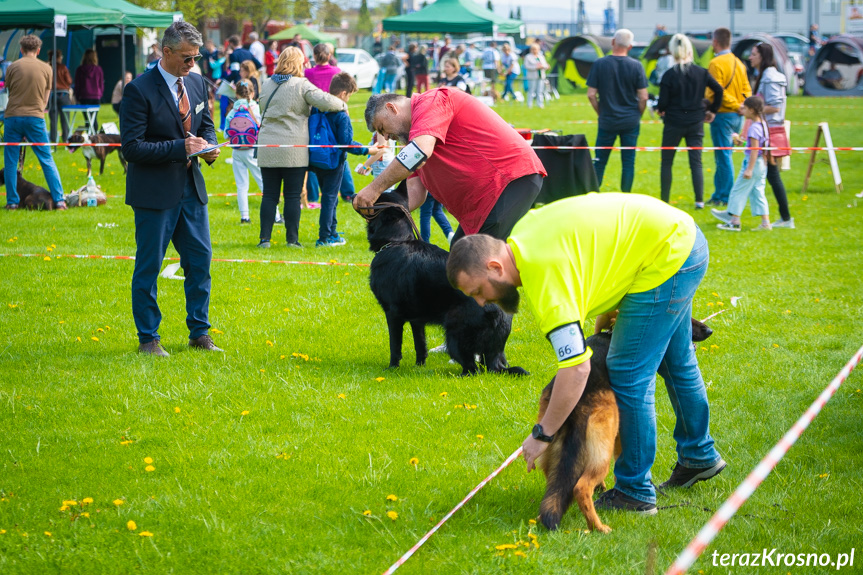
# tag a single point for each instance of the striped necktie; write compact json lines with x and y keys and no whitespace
{"x":185,"y":108}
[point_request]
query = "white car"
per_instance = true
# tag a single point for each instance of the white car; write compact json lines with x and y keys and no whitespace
{"x":359,"y":64}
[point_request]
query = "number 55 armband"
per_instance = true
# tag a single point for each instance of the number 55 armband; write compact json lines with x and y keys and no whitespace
{"x":568,"y":341}
{"x":411,"y":157}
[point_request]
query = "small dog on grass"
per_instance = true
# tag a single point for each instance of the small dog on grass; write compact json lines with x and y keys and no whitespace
{"x":100,"y":152}
{"x":30,"y":195}
{"x":577,"y":460}
{"x":408,"y":278}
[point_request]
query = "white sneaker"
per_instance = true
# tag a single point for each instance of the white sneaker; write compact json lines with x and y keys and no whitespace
{"x":763,"y":228}
{"x":789,"y":224}
{"x":721,"y":215}
{"x":729,"y":227}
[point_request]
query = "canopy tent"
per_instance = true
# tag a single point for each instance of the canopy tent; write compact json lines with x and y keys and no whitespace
{"x":743,"y":47}
{"x":133,"y":15}
{"x":40,"y":13}
{"x":577,"y":54}
{"x":305,"y":33}
{"x":837,"y":68}
{"x":454,"y":17}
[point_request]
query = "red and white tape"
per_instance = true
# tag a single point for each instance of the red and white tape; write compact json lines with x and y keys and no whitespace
{"x":412,"y":550}
{"x":798,"y":149}
{"x":235,"y":261}
{"x":685,"y":560}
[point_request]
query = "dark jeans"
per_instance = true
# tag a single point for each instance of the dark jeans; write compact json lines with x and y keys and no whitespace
{"x":778,"y":188}
{"x":62,"y":100}
{"x":410,"y":81}
{"x":432,"y":208}
{"x":671,"y":136}
{"x":273,"y":178}
{"x":187,"y":226}
{"x":330,"y":181}
{"x":90,"y":102}
{"x":628,"y":138}
{"x":514,"y":202}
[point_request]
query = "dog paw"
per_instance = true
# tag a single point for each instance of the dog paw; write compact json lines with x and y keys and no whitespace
{"x":515,"y":370}
{"x":603,"y":528}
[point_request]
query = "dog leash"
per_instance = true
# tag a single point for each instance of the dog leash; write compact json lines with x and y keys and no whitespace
{"x":381,"y":206}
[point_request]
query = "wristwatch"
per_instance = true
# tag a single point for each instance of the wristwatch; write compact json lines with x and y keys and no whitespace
{"x":540,"y":435}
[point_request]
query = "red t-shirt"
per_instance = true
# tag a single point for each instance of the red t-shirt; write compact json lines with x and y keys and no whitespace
{"x":475,"y":157}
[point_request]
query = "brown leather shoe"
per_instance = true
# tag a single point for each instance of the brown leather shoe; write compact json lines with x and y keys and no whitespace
{"x":153,"y":348}
{"x":204,"y":342}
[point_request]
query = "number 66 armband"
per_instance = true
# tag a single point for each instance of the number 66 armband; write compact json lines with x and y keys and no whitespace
{"x":567,"y":341}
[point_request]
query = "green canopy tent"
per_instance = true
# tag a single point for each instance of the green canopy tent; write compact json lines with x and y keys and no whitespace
{"x":305,"y":33}
{"x":133,"y":15}
{"x":454,"y":17}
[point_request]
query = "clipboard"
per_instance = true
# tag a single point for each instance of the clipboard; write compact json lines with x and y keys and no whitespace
{"x":210,"y":149}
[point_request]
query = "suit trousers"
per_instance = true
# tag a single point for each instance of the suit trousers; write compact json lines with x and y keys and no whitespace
{"x":187,"y":226}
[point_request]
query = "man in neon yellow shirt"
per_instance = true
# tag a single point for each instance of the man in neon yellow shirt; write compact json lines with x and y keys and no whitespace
{"x":609,"y":255}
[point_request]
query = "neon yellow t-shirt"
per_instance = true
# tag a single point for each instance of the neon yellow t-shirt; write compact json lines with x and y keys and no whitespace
{"x":579,"y":256}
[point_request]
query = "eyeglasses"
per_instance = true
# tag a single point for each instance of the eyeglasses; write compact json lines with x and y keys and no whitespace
{"x":188,"y":59}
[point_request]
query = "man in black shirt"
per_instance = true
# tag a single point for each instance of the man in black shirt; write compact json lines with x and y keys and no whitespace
{"x":617,"y":90}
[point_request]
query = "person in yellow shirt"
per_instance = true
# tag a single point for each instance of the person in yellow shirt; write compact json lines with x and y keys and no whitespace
{"x":730,"y":72}
{"x":631,"y":258}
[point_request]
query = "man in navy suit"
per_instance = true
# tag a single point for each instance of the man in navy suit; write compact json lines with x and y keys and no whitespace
{"x":164,"y":118}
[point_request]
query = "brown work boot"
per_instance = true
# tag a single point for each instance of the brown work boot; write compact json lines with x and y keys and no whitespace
{"x":153,"y":348}
{"x":204,"y":342}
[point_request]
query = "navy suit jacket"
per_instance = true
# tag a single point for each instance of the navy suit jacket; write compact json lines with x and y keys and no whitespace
{"x":154,"y":142}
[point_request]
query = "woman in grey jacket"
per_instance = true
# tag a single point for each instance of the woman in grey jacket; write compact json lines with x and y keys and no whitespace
{"x":770,"y":86}
{"x":286,"y":102}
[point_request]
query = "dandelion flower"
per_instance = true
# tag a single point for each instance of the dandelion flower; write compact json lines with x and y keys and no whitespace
{"x":532,"y":521}
{"x":94,"y":338}
{"x":444,"y":394}
{"x":100,"y":330}
{"x":145,"y":534}
{"x":78,"y":339}
{"x":414,"y":461}
{"x":149,"y":468}
{"x":126,"y":442}
{"x":48,"y":533}
{"x":47,"y":259}
{"x":775,"y":345}
{"x":269,"y":343}
{"x":506,"y":546}
{"x":520,"y":554}
{"x":177,"y":410}
{"x":217,"y":331}
{"x":367,"y":512}
{"x":70,"y":503}
{"x":118,"y":502}
{"x":64,"y":508}
{"x":342,"y":396}
{"x":131,"y":525}
{"x":392,"y":498}
{"x":148,"y":460}
{"x":2,"y":531}
{"x":244,"y":412}
{"x":392,"y":515}
{"x":379,"y":379}
{"x":85,"y":514}
{"x":480,"y":436}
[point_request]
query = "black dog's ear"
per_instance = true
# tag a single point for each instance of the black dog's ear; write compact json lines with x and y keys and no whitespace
{"x":402,"y":189}
{"x":700,"y":331}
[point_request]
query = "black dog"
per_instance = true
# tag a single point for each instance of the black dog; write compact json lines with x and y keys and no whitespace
{"x":30,"y":195}
{"x":101,"y":152}
{"x":408,"y":278}
{"x":577,"y":460}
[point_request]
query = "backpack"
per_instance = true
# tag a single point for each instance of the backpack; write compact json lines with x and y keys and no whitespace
{"x":321,"y":134}
{"x":243,"y":129}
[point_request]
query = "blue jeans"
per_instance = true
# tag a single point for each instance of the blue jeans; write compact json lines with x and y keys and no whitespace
{"x":313,"y":189}
{"x":721,"y":129}
{"x":390,"y":82}
{"x":330,"y":181}
{"x":628,"y":138}
{"x":653,"y":332}
{"x":347,"y":189}
{"x":751,"y":190}
{"x":507,"y":85}
{"x":32,"y":129}
{"x":379,"y":85}
{"x":187,"y":226}
{"x":432,"y":207}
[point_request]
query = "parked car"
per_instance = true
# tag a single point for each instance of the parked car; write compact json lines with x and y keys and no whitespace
{"x":359,"y":64}
{"x":795,"y":43}
{"x":482,"y":42}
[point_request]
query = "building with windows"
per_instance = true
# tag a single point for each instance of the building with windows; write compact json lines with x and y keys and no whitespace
{"x":741,"y":16}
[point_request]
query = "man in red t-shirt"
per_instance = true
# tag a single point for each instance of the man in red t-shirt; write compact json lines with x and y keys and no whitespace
{"x":460,"y":151}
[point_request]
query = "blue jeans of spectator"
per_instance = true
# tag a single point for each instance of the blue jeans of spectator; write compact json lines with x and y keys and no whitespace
{"x":224,"y":102}
{"x":751,"y":190}
{"x":628,"y":138}
{"x":347,"y":189}
{"x":313,"y":188}
{"x":32,"y":129}
{"x":390,"y":82}
{"x":379,"y":85}
{"x":330,"y":181}
{"x":653,"y":332}
{"x":187,"y":226}
{"x":721,"y":129}
{"x":432,"y":207}
{"x":507,"y":85}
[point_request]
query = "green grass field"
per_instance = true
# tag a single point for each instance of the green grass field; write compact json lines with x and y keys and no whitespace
{"x":279,"y":455}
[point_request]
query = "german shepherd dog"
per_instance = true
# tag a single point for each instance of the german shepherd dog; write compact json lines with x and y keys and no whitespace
{"x":100,"y":152}
{"x":408,"y":278}
{"x":577,"y":461}
{"x":30,"y":195}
